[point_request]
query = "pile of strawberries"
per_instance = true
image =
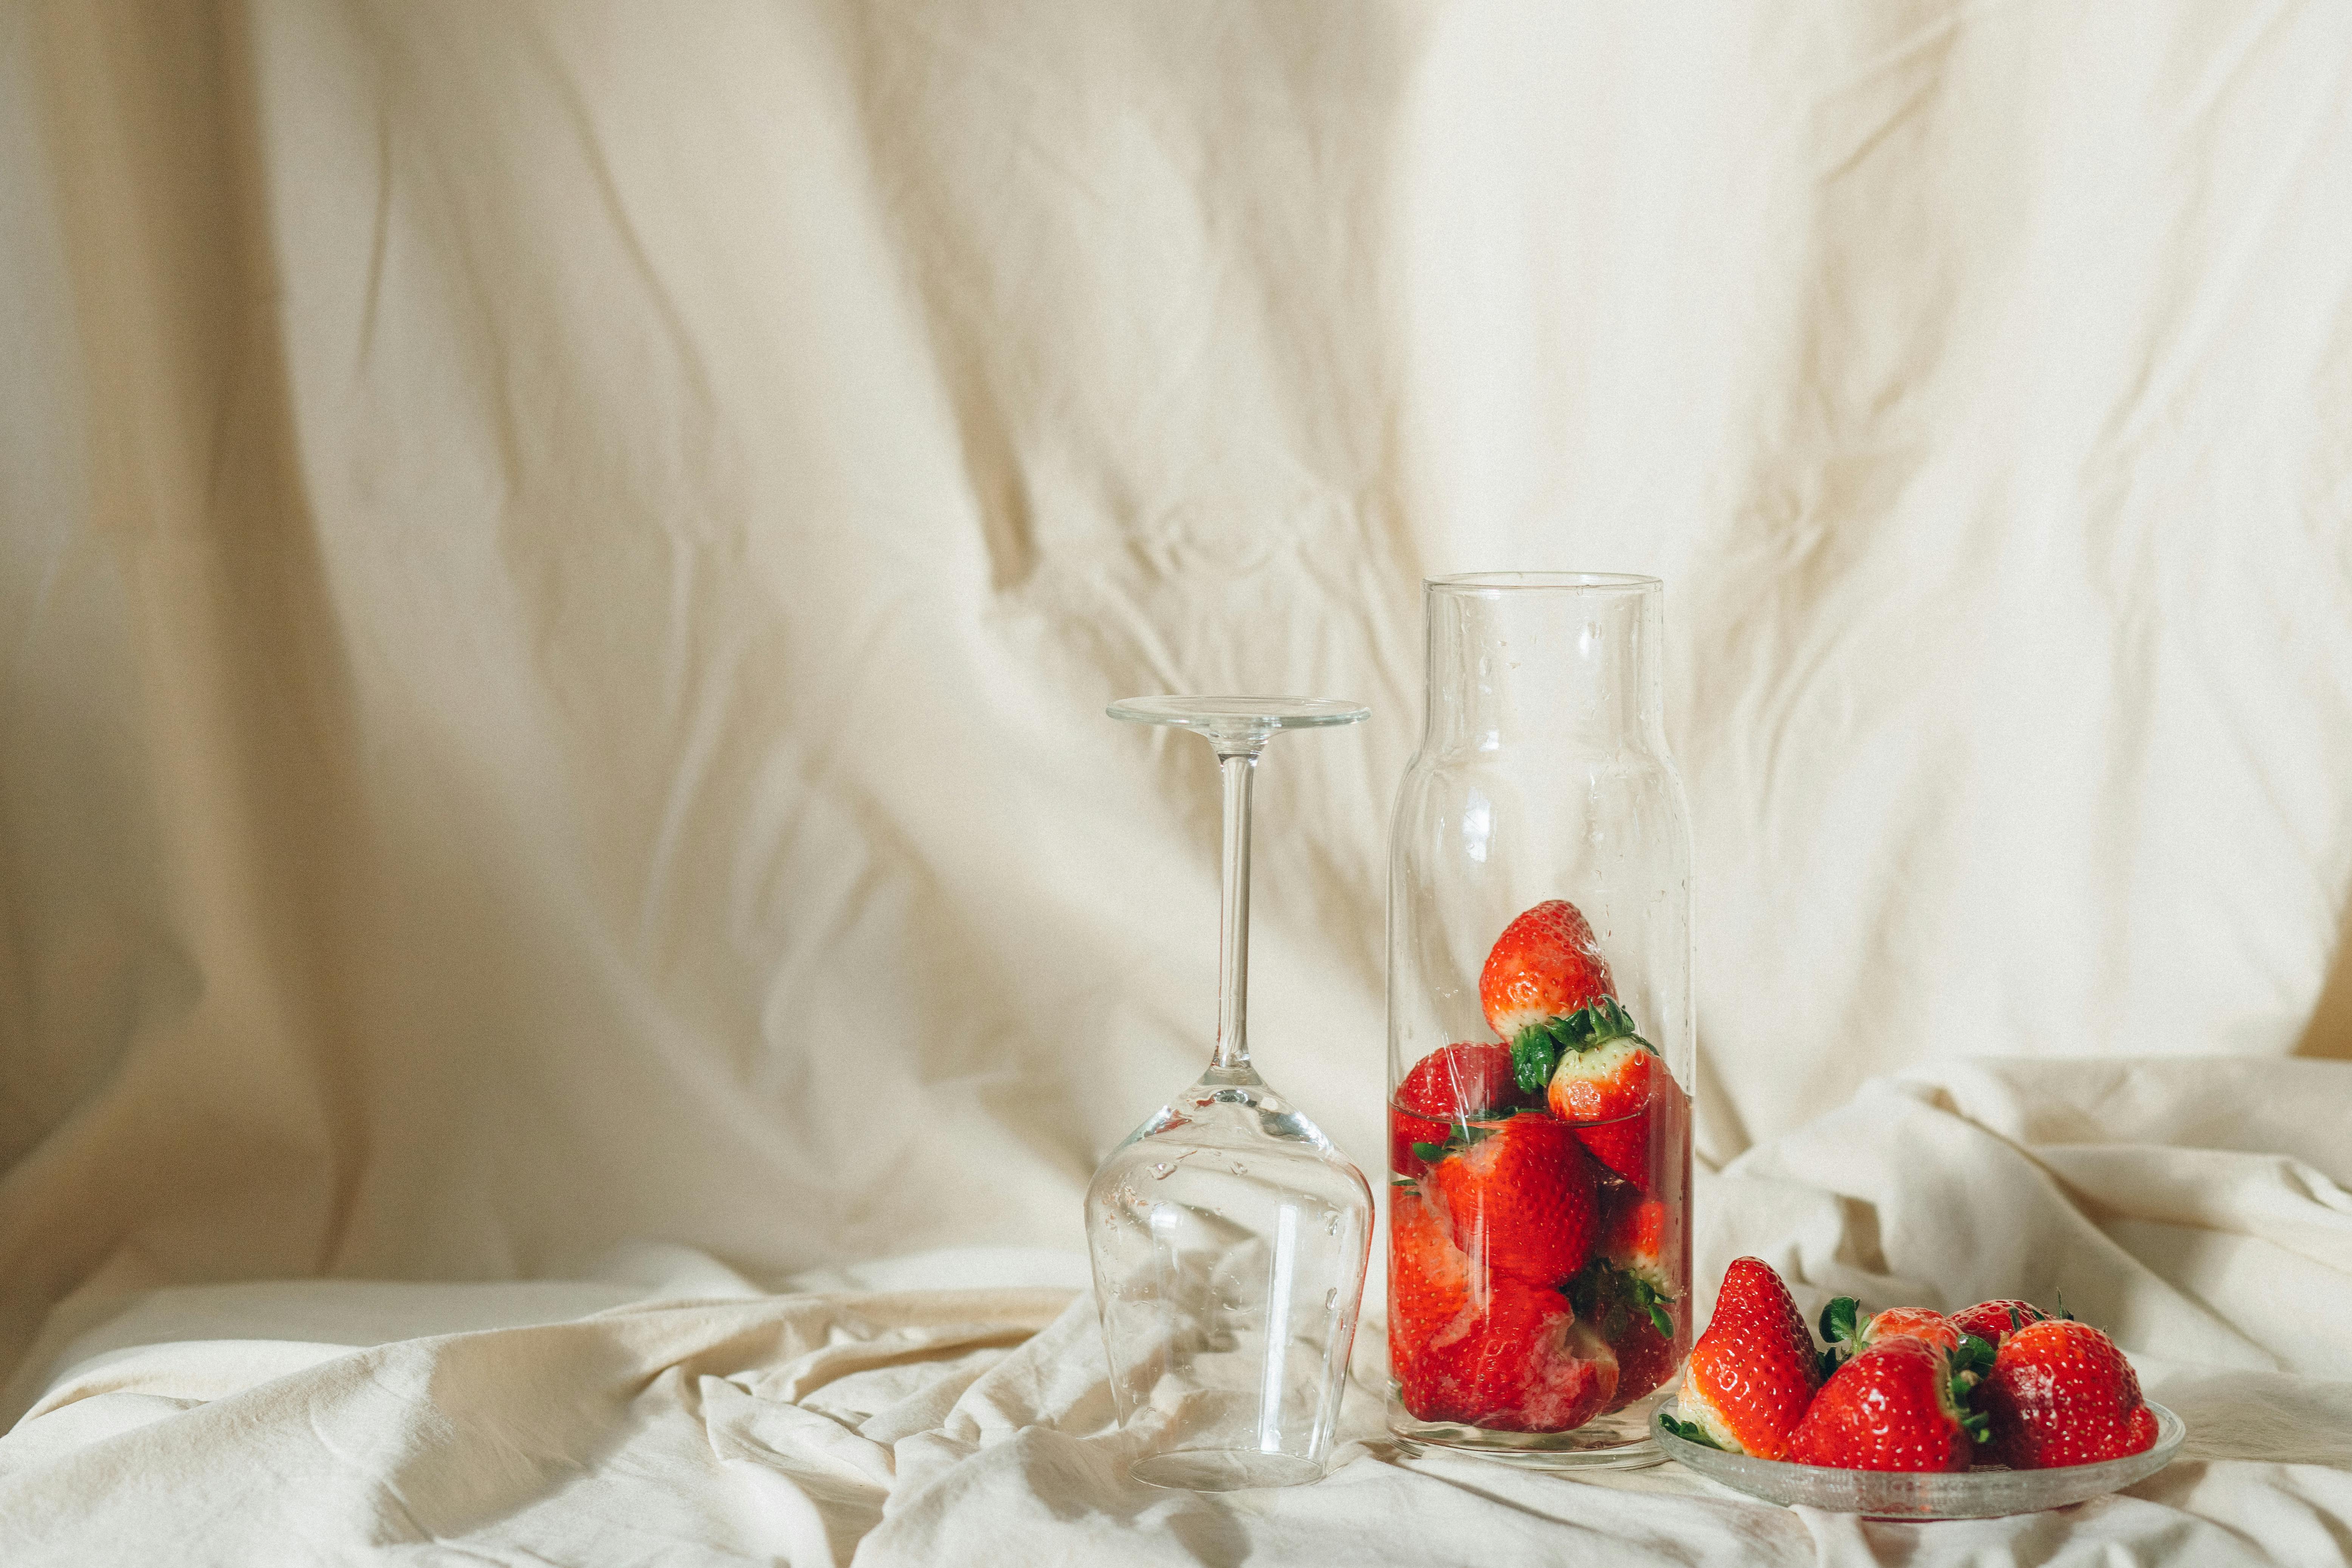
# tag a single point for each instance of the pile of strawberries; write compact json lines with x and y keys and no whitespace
{"x":1908,"y":1389}
{"x":1537,"y":1199}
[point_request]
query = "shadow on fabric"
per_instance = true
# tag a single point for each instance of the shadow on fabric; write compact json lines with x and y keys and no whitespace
{"x":2329,"y":1033}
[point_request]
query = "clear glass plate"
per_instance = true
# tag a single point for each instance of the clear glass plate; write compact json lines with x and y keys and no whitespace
{"x":1981,"y":1493}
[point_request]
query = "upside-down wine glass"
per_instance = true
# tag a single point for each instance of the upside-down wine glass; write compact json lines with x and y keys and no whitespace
{"x":1228,"y":1236}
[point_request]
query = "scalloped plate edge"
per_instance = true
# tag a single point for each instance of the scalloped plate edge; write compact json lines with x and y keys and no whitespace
{"x":1972,"y":1494}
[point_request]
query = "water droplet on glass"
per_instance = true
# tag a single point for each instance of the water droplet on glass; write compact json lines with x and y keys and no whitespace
{"x":1240,"y":1169}
{"x":1160,"y":1172}
{"x":1331,"y":1299}
{"x":1331,"y":1225}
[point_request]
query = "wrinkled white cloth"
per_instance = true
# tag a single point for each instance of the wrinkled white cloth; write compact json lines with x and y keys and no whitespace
{"x":2199,"y":1209}
{"x":562,"y":564}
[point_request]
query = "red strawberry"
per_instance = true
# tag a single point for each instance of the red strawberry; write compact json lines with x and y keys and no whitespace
{"x":1847,"y":1333}
{"x":1917,"y":1322}
{"x":1429,"y":1279}
{"x":2060,"y":1393}
{"x":1994,"y":1321}
{"x":1648,"y":1329}
{"x":1596,"y":1071}
{"x":1605,"y":1076}
{"x":1544,"y":965}
{"x":1630,"y":1145}
{"x":1521,"y":1200}
{"x":1456,"y":1079}
{"x":1631,"y":1291}
{"x":1754,"y":1370}
{"x":1546,"y":990}
{"x":1523,"y":1363}
{"x":1896,"y":1406}
{"x":1643,"y":1237}
{"x":1645,"y":1359}
{"x":1407,"y":1133}
{"x":1452,"y":1084}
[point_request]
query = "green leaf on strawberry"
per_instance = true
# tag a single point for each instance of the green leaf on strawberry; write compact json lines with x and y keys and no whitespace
{"x":1535,"y":1050}
{"x":1646,"y":1296}
{"x":1601,"y":1292}
{"x":1841,"y":1333}
{"x":1466,"y":1133}
{"x":1689,"y":1432}
{"x":1533,"y":1056}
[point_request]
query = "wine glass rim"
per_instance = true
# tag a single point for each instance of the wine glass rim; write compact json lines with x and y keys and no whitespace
{"x":1508,"y":582}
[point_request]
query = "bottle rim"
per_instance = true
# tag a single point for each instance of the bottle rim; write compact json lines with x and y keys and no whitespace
{"x":1485,"y":583}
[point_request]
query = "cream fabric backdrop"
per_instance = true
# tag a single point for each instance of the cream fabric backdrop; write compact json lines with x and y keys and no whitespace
{"x":564,"y":563}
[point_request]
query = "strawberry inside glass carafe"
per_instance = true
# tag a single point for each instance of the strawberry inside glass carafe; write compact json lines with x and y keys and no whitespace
{"x":1538,"y":1270}
{"x":1541,"y":1031}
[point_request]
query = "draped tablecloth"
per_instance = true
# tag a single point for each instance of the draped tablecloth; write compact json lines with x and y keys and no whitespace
{"x":559,"y":567}
{"x":952,"y":1408}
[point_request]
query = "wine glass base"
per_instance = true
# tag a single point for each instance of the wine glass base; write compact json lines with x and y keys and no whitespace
{"x":1224,"y":1471}
{"x":1238,"y":726}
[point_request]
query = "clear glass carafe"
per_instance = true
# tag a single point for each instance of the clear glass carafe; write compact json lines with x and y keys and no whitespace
{"x":1541,"y":1042}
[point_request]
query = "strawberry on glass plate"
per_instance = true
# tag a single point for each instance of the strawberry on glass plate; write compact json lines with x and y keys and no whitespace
{"x":1909,"y":1413}
{"x":1923,"y":1494}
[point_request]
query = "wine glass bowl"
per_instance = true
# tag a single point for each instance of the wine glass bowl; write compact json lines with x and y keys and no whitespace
{"x":1228,"y":1236}
{"x":1229,"y":1241}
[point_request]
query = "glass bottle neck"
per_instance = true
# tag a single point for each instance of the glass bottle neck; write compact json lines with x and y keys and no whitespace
{"x":1574,"y":666}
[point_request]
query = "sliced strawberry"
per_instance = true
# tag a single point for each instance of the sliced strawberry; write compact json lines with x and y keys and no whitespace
{"x":1994,"y":1321}
{"x":1454,"y":1084}
{"x":1522,"y":1363}
{"x":2060,"y":1393}
{"x":1429,"y":1278}
{"x":1520,"y":1199}
{"x":1894,"y":1407}
{"x":1752,"y":1374}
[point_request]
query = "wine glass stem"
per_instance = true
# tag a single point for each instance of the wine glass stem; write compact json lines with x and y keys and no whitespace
{"x":1240,"y":769}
